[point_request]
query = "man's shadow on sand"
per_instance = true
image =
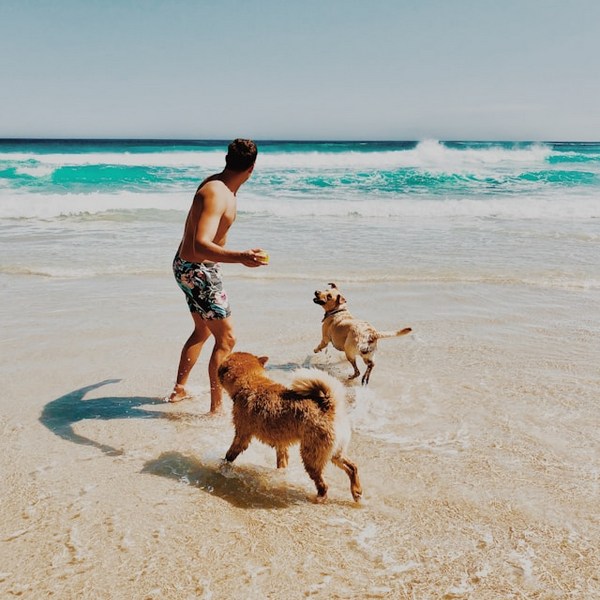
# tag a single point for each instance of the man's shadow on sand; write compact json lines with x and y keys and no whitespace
{"x":61,"y":414}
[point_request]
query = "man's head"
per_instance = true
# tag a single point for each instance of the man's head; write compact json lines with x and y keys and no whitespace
{"x":241,"y":155}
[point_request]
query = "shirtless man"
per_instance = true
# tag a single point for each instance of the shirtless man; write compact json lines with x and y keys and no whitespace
{"x":197,"y":270}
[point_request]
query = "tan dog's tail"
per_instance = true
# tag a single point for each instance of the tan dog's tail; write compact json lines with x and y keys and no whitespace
{"x":319,"y":386}
{"x":389,"y":334}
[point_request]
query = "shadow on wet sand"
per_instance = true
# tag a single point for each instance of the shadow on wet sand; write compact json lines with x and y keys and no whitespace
{"x":61,"y":414}
{"x":241,"y":486}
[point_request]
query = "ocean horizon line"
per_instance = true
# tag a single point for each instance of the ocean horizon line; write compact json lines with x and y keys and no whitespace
{"x":202,"y":141}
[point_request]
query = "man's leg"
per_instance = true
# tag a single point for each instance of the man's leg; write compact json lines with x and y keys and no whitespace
{"x":189,"y":356}
{"x":222,"y":330}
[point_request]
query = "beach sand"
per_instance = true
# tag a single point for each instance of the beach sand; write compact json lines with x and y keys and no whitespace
{"x":477,"y":443}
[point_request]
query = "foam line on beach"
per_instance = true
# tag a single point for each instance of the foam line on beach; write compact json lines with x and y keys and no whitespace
{"x":127,"y":205}
{"x":131,"y":206}
{"x":565,"y":282}
{"x":543,"y":281}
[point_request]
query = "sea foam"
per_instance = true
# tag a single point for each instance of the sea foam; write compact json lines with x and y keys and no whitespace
{"x":430,"y":154}
{"x":136,"y":206}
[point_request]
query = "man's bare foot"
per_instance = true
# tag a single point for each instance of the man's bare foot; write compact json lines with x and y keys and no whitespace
{"x":178,"y":394}
{"x":216,"y":411}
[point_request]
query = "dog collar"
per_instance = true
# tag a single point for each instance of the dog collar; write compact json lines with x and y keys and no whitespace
{"x":330,"y":313}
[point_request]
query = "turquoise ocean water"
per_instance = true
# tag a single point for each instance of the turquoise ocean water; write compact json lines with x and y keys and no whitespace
{"x":426,"y":210}
{"x":357,"y":171}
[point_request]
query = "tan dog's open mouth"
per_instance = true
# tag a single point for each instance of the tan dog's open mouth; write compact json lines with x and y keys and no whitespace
{"x":329,"y":298}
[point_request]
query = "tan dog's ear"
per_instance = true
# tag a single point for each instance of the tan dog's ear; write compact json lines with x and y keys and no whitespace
{"x":332,"y":286}
{"x":340,"y":300}
{"x":263,"y":360}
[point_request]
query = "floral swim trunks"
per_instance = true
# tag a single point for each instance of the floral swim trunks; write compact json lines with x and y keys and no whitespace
{"x":203,"y":288}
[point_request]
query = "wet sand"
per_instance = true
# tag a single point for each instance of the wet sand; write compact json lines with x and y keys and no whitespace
{"x":477,"y":442}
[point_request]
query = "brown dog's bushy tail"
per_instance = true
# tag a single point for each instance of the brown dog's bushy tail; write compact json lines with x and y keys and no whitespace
{"x":389,"y":334}
{"x":318,"y":386}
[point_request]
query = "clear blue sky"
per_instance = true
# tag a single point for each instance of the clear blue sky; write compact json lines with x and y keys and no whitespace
{"x":308,"y":69}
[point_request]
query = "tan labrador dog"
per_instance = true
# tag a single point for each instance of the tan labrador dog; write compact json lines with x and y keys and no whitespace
{"x":311,"y":411}
{"x":351,"y":336}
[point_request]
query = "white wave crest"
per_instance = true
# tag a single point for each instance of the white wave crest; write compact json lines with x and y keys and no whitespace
{"x":36,"y":170}
{"x":435,"y":156}
{"x":213,"y":160}
{"x":430,"y":155}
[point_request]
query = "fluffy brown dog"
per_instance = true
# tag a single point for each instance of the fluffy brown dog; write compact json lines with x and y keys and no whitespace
{"x":312,"y":411}
{"x":351,"y":336}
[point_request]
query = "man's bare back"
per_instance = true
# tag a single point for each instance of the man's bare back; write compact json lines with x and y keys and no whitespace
{"x":197,"y":270}
{"x":212,"y":213}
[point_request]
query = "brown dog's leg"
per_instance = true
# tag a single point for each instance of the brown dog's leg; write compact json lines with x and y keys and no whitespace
{"x":239,"y":444}
{"x":314,"y":464}
{"x":282,"y":457}
{"x":320,"y":484}
{"x":352,"y":471}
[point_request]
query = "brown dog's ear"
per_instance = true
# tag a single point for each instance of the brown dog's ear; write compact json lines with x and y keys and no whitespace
{"x":263,"y":360}
{"x":332,"y":285}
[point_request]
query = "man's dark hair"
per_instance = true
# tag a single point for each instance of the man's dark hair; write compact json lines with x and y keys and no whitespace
{"x":241,"y":155}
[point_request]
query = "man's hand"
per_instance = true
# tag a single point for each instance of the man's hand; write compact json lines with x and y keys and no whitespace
{"x":253,"y":258}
